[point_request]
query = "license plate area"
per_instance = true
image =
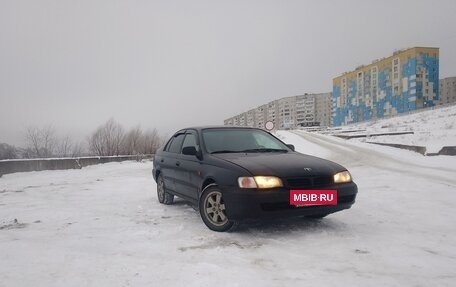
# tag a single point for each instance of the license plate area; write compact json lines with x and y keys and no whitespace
{"x":313,"y":197}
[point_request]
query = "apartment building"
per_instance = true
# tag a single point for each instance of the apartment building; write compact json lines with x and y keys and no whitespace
{"x":405,"y":81}
{"x":447,"y":90}
{"x":288,"y":112}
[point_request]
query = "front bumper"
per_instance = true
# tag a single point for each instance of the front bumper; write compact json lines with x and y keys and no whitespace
{"x":243,"y":204}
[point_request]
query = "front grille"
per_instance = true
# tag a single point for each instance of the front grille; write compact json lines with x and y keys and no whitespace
{"x":306,"y":182}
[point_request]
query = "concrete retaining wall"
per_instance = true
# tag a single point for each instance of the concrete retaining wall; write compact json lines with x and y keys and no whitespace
{"x":446,"y":150}
{"x":347,"y":137}
{"x":23,"y":165}
{"x":418,"y":149}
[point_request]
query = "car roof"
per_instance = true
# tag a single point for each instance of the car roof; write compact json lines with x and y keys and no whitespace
{"x":199,"y":128}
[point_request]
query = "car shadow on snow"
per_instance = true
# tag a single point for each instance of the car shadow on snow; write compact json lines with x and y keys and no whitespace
{"x":181,"y":203}
{"x":294,"y":224}
{"x":276,"y":225}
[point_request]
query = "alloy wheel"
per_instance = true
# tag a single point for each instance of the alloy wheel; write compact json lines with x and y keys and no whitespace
{"x":214,"y":208}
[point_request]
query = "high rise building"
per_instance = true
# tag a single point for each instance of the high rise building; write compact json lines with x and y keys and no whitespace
{"x":323,"y":107}
{"x":408,"y":80}
{"x":288,"y":112}
{"x":447,"y":90}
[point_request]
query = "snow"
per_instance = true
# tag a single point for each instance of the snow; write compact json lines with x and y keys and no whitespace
{"x":433,"y":129}
{"x":103,"y":226}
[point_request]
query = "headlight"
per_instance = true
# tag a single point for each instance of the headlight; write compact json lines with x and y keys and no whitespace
{"x":342,"y":177}
{"x":260,"y":182}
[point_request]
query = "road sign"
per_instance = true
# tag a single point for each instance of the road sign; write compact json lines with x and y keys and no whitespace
{"x":269,"y":125}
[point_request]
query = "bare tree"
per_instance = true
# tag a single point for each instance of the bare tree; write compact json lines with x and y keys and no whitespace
{"x":115,"y":136}
{"x":107,"y":140}
{"x":133,"y":141}
{"x":26,"y":153}
{"x":8,"y":151}
{"x":64,"y":146}
{"x":151,"y":141}
{"x":78,"y":150}
{"x":49,"y":140}
{"x":96,"y":142}
{"x":33,"y":138}
{"x":41,"y":141}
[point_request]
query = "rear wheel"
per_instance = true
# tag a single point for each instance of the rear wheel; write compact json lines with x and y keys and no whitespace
{"x":163,"y":196}
{"x":212,"y":210}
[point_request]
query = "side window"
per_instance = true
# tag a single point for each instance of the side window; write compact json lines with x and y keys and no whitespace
{"x":175,"y":145}
{"x":190,"y":140}
{"x":166,"y":148}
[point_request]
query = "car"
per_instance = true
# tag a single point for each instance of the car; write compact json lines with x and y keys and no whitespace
{"x":230,"y":174}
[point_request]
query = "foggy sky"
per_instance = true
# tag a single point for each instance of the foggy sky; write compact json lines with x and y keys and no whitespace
{"x":172,"y":64}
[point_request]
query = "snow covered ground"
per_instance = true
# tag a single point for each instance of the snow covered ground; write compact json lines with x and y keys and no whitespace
{"x":103,"y":226}
{"x":432,"y":129}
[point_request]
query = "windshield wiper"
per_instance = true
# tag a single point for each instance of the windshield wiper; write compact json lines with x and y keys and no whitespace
{"x":265,"y":150}
{"x":225,"y":151}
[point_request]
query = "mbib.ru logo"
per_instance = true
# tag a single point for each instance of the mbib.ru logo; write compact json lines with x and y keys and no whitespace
{"x":313,"y":197}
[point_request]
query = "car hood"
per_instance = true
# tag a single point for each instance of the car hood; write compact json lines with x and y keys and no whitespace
{"x":290,"y":164}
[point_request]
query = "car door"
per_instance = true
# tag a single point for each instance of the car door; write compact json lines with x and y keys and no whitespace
{"x":188,"y":174}
{"x":168,"y":161}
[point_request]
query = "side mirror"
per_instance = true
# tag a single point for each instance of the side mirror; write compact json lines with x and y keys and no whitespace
{"x":189,"y":150}
{"x":290,"y":146}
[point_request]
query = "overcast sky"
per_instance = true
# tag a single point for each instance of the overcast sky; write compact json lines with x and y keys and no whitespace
{"x":171,"y":64}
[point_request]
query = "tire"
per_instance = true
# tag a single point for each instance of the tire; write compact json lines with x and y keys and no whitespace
{"x":212,"y":210}
{"x":163,"y":196}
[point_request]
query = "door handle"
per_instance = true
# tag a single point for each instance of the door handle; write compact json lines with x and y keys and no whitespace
{"x":178,"y":163}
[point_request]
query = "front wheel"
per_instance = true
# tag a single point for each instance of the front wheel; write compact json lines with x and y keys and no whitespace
{"x":212,"y":210}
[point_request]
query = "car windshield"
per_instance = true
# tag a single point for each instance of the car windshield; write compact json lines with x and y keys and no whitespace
{"x":241,"y":140}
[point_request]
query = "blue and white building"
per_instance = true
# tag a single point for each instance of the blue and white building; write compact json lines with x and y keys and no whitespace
{"x":406,"y":81}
